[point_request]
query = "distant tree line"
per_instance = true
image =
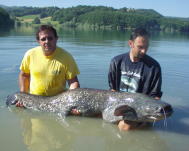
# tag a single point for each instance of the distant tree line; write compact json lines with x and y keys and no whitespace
{"x":5,"y":20}
{"x":105,"y":17}
{"x":23,"y":11}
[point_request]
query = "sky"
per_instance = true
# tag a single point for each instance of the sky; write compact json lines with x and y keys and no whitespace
{"x":174,"y":8}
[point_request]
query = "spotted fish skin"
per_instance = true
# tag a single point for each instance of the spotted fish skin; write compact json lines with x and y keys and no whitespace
{"x":114,"y":106}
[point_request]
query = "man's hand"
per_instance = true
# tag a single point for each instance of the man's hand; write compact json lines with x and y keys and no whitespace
{"x":75,"y":112}
{"x":18,"y":104}
{"x":73,"y":83}
{"x":124,"y":126}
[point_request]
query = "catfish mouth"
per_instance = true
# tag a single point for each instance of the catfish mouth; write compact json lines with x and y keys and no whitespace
{"x":130,"y":114}
{"x":162,"y":114}
{"x":11,"y":100}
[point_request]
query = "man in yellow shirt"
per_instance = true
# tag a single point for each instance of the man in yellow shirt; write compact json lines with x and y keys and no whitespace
{"x":44,"y":71}
{"x":46,"y":68}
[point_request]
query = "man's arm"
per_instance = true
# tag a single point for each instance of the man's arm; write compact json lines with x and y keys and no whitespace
{"x":112,"y":76}
{"x":155,"y":84}
{"x":24,"y":82}
{"x":73,"y":83}
{"x":157,"y":98}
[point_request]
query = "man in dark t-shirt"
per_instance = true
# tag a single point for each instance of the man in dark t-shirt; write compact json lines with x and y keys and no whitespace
{"x":135,"y":71}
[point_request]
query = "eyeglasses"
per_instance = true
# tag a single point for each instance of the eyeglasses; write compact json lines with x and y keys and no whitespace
{"x":47,"y":38}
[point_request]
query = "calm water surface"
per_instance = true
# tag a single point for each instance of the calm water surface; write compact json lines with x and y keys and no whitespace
{"x":23,"y":130}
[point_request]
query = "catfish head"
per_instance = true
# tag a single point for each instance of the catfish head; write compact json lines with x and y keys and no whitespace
{"x":144,"y":112}
{"x":12,"y":99}
{"x":21,"y":97}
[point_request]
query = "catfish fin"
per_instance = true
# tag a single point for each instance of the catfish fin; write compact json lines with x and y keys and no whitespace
{"x":126,"y":112}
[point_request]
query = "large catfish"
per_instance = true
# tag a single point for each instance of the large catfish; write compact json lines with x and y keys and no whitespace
{"x":113,"y":106}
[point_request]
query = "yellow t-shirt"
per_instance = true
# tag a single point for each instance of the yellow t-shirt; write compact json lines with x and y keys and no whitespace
{"x":48,"y":74}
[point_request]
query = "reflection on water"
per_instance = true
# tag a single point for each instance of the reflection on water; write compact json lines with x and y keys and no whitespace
{"x":23,"y":130}
{"x":42,"y":132}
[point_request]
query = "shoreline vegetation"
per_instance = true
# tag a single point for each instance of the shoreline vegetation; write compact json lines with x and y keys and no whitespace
{"x":91,"y":17}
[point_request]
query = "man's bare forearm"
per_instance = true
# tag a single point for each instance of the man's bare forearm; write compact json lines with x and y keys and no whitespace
{"x":24,"y":82}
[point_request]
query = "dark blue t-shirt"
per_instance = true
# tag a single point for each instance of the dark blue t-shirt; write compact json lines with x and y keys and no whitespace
{"x":143,"y":76}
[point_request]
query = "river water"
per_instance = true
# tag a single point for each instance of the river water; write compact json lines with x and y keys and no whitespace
{"x":23,"y":130}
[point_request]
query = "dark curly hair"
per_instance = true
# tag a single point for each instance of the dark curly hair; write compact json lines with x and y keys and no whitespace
{"x":48,"y":28}
{"x":139,"y":32}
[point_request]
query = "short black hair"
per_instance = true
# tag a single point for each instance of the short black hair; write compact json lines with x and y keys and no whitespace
{"x":140,"y":31}
{"x":48,"y":28}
